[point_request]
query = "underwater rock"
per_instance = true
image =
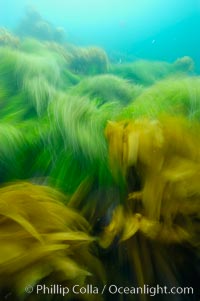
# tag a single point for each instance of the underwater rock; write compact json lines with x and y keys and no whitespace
{"x":32,"y":13}
{"x":33,"y":25}
{"x":42,"y":30}
{"x":184,"y":64}
{"x":59,"y":34}
{"x":8,"y":39}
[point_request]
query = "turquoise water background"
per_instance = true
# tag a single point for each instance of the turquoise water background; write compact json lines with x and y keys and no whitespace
{"x":151,"y":29}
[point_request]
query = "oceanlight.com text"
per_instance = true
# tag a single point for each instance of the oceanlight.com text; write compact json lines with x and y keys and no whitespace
{"x":57,"y":289}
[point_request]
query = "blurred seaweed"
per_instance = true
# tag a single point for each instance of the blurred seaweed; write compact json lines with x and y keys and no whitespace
{"x":8,"y":39}
{"x":148,"y":72}
{"x":34,"y":25}
{"x":88,"y":60}
{"x":107,"y":88}
{"x":99,"y":167}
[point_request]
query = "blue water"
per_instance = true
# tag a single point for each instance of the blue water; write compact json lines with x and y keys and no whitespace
{"x":151,"y":29}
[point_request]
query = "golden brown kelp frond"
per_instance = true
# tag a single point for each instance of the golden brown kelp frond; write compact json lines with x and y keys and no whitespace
{"x":163,"y":156}
{"x":42,"y":240}
{"x":159,"y":217}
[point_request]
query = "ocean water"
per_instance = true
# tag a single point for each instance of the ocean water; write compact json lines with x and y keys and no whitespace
{"x":159,"y":30}
{"x":99,"y":150}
